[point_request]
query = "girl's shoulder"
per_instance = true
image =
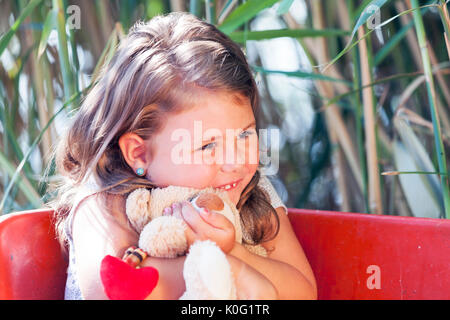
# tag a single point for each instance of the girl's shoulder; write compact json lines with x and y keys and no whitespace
{"x":99,"y":228}
{"x":275,"y":200}
{"x":103,"y":207}
{"x":100,"y":223}
{"x":92,"y":201}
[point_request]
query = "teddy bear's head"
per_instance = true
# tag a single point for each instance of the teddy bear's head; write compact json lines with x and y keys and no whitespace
{"x":143,"y":206}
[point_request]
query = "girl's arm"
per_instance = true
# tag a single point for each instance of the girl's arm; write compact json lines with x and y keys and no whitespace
{"x":286,"y":265}
{"x":251,"y":284}
{"x":97,"y":233}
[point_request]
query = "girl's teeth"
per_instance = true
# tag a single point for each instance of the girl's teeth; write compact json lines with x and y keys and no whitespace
{"x":228,"y":186}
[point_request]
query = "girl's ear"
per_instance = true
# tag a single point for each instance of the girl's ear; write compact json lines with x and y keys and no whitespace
{"x":134,"y":150}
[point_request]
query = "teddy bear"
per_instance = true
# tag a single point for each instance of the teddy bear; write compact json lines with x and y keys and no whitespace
{"x":206,"y":270}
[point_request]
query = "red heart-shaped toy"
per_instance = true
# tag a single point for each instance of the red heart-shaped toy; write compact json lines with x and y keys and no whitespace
{"x":123,"y":282}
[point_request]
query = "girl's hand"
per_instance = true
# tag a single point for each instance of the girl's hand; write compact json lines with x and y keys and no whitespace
{"x":203,"y":225}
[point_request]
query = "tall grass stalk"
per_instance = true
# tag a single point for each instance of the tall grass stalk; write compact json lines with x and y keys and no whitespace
{"x":414,"y":46}
{"x":6,"y":38}
{"x":66,"y":69}
{"x":337,"y":130}
{"x":16,"y":175}
{"x":349,"y":6}
{"x":440,"y":151}
{"x":374,"y":190}
{"x":443,"y":11}
{"x":195,"y":7}
{"x":210,"y":8}
{"x":319,"y":50}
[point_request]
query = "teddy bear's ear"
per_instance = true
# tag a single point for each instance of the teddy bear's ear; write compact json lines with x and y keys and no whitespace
{"x":138,"y":208}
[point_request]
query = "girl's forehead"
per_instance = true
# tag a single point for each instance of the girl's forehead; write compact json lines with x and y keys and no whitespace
{"x":217,"y":109}
{"x":198,"y":97}
{"x":212,"y":114}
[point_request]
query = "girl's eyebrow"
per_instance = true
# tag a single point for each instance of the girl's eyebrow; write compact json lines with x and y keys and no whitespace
{"x":213,"y":138}
{"x":252,"y":124}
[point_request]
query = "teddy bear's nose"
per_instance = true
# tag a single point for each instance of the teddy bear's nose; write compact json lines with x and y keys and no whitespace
{"x":210,"y":201}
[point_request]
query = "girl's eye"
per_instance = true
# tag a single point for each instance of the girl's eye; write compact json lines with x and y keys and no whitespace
{"x":209,"y":146}
{"x":246,"y":133}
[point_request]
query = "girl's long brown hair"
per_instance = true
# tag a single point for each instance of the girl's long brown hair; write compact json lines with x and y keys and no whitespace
{"x":156,"y":70}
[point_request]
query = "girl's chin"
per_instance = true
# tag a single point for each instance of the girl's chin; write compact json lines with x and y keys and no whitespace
{"x":234,"y":197}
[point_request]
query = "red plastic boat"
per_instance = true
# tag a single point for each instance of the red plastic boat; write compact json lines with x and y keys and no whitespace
{"x":353,"y":256}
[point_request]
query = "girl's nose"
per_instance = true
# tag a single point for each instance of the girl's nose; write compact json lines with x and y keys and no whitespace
{"x":234,"y":157}
{"x":230,"y":167}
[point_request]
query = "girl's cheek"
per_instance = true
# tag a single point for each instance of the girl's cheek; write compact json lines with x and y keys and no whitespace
{"x":210,"y":157}
{"x":253,"y":150}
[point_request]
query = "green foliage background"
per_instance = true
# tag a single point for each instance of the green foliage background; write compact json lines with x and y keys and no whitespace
{"x":380,"y":137}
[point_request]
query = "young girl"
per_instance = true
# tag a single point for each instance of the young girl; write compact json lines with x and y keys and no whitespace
{"x":173,"y":74}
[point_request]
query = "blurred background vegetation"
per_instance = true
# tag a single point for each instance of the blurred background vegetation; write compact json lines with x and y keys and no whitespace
{"x":359,"y":90}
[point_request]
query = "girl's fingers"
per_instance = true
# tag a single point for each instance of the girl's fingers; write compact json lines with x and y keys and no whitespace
{"x":217,"y":220}
{"x":192,"y":218}
{"x":176,"y":210}
{"x":197,"y":219}
{"x":167,"y":211}
{"x":223,"y":235}
{"x":191,"y":236}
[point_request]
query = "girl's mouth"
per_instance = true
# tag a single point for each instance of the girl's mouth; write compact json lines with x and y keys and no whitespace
{"x":229,"y":186}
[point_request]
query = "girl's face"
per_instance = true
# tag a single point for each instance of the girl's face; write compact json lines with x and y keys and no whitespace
{"x":212,"y":144}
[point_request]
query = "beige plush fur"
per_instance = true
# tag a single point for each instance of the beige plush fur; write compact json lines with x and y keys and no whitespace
{"x":206,"y":270}
{"x":207,"y":273}
{"x":141,"y":210}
